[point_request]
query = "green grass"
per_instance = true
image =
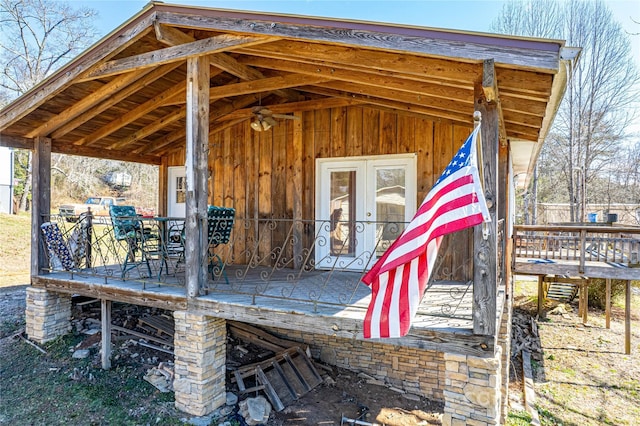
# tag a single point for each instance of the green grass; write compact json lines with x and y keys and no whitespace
{"x":39,"y":389}
{"x":15,"y":235}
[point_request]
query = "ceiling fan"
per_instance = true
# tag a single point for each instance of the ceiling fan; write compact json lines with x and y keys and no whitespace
{"x":264,"y":118}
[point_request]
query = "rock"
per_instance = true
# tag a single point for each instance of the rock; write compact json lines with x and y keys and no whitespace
{"x":255,"y":410}
{"x":411,"y":396}
{"x":232,"y":398}
{"x":81,"y":354}
{"x":328,"y":381}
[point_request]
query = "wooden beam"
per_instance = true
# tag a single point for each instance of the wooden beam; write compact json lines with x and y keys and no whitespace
{"x":105,"y":320}
{"x":82,"y":105}
{"x":446,"y":105}
{"x":492,"y":95}
{"x":197,"y":155}
{"x":467,"y":47}
{"x":370,"y":77}
{"x":114,"y":98}
{"x":163,"y":187}
{"x":40,"y":201}
{"x":173,"y":37}
{"x":540,"y":295}
{"x":485,"y":235}
{"x":425,"y":112}
{"x":18,"y":142}
{"x":571,"y":269}
{"x":68,"y":74}
{"x":219,"y":43}
{"x":607,"y":303}
{"x":291,"y":107}
{"x":167,"y":119}
{"x":134,"y":114}
{"x":264,"y":85}
{"x":627,"y":318}
{"x":107,"y":154}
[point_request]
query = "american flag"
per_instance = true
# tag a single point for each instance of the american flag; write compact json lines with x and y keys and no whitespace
{"x":399,"y":278}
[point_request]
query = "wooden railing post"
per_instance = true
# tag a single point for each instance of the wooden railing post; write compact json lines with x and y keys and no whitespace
{"x":40,"y":200}
{"x":484,"y":240}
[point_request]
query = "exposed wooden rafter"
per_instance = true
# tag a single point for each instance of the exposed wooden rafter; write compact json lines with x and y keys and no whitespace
{"x":167,"y":55}
{"x":173,"y":37}
{"x":492,"y":95}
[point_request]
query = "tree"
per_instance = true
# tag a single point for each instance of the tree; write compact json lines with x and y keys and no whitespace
{"x":596,"y":111}
{"x":36,"y":38}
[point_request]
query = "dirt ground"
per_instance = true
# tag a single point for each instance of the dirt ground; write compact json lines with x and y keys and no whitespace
{"x":343,"y":393}
{"x":584,"y":376}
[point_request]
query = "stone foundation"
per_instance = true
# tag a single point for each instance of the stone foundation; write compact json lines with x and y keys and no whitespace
{"x":200,"y":356}
{"x":504,"y":340}
{"x":416,"y":371}
{"x":48,"y":314}
{"x":472,"y":390}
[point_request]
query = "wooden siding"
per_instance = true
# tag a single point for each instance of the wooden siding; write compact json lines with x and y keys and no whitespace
{"x":255,"y":172}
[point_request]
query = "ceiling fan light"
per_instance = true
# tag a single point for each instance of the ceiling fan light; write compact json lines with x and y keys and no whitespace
{"x":270,"y":120}
{"x":266,"y":125}
{"x":255,"y":125}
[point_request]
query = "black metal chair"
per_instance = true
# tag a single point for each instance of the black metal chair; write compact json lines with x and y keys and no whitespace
{"x":128,"y":228}
{"x":219,"y":225}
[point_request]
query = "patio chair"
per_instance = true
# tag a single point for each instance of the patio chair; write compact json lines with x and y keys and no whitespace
{"x":59,"y":252}
{"x":127,"y":227}
{"x":219,"y":225}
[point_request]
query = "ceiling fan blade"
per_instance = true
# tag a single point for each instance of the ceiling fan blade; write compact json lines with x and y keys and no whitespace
{"x":270,"y":120}
{"x":290,"y":117}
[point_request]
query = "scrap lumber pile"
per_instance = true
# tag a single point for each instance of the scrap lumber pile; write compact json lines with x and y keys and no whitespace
{"x":285,"y":377}
{"x":524,"y":336}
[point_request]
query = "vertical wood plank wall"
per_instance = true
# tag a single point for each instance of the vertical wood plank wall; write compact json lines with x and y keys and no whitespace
{"x":255,"y":172}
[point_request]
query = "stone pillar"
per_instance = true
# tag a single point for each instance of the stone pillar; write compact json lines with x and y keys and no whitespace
{"x":200,"y":354}
{"x":48,"y":314}
{"x":472,"y":390}
{"x":504,"y":340}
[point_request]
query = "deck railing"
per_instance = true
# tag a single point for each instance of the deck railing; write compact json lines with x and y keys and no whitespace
{"x":317,"y":262}
{"x":582,"y":243}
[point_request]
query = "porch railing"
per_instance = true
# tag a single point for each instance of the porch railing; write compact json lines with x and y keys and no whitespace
{"x":582,"y":243}
{"x":296,"y":260}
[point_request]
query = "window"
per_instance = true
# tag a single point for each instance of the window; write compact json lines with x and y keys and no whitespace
{"x":363,"y":203}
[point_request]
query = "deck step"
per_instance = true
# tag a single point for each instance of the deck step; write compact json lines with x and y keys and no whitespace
{"x":562,"y":292}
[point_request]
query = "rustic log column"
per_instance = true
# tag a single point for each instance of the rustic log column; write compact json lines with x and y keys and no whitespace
{"x":627,"y":318}
{"x":105,"y":320}
{"x":540,"y":294}
{"x":484,"y":240}
{"x":163,"y":185}
{"x":197,"y":153}
{"x":607,"y":307}
{"x":40,"y":200}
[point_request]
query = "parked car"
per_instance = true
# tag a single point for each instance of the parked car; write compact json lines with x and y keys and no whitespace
{"x":99,"y":208}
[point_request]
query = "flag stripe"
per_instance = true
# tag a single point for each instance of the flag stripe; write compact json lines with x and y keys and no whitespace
{"x":400,"y":276}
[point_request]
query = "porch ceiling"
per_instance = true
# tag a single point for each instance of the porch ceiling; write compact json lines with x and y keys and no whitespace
{"x":124,"y":98}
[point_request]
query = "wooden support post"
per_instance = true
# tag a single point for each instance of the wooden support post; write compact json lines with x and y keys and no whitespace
{"x":627,"y":318}
{"x":40,"y":200}
{"x":583,"y":249}
{"x":197,"y":154}
{"x":585,"y":310}
{"x":484,"y":240}
{"x":540,"y":295}
{"x":105,"y":307}
{"x":163,"y":187}
{"x":607,"y":307}
{"x":298,"y":153}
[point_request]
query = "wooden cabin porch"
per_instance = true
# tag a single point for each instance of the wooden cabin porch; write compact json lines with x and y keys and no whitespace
{"x":260,"y":283}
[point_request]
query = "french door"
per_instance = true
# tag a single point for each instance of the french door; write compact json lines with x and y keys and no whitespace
{"x":362,"y":204}
{"x":177,"y":187}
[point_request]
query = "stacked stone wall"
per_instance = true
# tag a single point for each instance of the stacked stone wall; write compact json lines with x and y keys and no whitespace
{"x":416,"y":371}
{"x":200,"y":345}
{"x":472,"y":390}
{"x":47,"y":315}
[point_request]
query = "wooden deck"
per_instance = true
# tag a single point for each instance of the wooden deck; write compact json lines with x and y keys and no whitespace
{"x":579,"y":251}
{"x":323,"y":302}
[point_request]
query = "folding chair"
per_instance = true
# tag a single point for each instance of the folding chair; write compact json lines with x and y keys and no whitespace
{"x":219,"y":225}
{"x":128,"y":227}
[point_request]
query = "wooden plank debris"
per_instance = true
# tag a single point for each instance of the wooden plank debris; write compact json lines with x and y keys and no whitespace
{"x":529,"y":391}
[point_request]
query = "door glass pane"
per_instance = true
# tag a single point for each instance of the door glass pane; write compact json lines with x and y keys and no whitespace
{"x":343,"y":213}
{"x":181,"y":189}
{"x":390,"y":206}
